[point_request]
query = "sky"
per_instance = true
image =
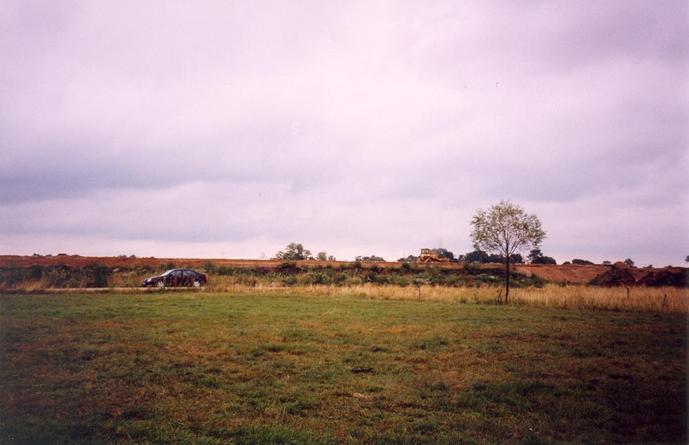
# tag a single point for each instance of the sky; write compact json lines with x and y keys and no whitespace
{"x":228,"y":129}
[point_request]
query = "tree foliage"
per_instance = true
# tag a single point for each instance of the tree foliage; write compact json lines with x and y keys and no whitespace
{"x":323,"y":256}
{"x":444,"y":253}
{"x":506,"y":229}
{"x":369,"y":258}
{"x":581,"y":262}
{"x":293,"y":252}
{"x":479,"y":256}
{"x":537,"y":257}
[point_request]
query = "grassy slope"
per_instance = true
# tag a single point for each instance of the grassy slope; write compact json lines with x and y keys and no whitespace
{"x":217,"y":368}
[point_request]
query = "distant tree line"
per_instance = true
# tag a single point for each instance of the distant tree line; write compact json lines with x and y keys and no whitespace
{"x":297,"y":252}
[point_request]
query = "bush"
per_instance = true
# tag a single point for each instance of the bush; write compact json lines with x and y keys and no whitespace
{"x":95,"y":275}
{"x":454,"y":280}
{"x":166,"y":266}
{"x":316,"y":278}
{"x":353,"y":281}
{"x":35,"y":272}
{"x":400,"y":280}
{"x":339,"y":278}
{"x":472,"y":267}
{"x":288,"y":268}
{"x":486,"y":279}
{"x":379,"y":279}
{"x":289,"y":280}
{"x":11,"y":276}
{"x":581,"y":262}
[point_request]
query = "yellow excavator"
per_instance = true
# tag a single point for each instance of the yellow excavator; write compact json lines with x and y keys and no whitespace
{"x":431,"y":256}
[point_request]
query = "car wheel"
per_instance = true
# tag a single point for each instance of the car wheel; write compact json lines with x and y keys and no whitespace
{"x":160,"y":283}
{"x":196,"y":283}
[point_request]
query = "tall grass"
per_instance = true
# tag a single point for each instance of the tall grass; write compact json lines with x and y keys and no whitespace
{"x":635,"y":298}
{"x":645,"y":299}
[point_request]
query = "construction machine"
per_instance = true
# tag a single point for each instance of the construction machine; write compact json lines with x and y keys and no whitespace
{"x":431,"y":256}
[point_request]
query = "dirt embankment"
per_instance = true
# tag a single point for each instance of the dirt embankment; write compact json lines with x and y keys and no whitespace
{"x":579,"y":274}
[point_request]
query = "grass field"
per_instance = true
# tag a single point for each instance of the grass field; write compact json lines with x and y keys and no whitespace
{"x":271,"y":368}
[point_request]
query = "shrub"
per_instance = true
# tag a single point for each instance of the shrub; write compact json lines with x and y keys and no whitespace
{"x":339,"y":278}
{"x":35,"y":272}
{"x":289,"y":280}
{"x":454,"y":280}
{"x":166,"y":266}
{"x":379,"y":279}
{"x":400,"y":280}
{"x":95,"y":275}
{"x":472,"y":267}
{"x":353,"y":281}
{"x":581,"y":262}
{"x":316,"y":278}
{"x":486,"y":279}
{"x":288,"y":267}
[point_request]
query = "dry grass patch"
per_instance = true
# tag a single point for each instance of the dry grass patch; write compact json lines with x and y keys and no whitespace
{"x":646,"y":299}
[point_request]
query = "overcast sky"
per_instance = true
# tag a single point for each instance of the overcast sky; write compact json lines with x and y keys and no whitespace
{"x":229,"y":129}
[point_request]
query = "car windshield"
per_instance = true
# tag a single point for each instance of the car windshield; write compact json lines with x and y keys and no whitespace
{"x":167,"y":272}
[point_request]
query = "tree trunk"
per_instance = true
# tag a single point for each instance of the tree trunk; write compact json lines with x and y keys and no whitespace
{"x":507,"y":280}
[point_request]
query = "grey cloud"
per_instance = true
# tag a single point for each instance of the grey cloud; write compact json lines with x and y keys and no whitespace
{"x":344,"y":125}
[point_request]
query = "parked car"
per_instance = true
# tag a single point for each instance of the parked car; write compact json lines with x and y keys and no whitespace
{"x":177,"y":277}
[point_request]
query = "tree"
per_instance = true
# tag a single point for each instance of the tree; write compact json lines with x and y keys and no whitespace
{"x":686,"y":260}
{"x":506,"y":229}
{"x":444,"y":253}
{"x":293,"y":252}
{"x":408,"y":259}
{"x":477,"y":256}
{"x":369,"y":258}
{"x":629,"y":262}
{"x":323,"y":256}
{"x":516,"y":258}
{"x":537,"y":257}
{"x":581,"y":262}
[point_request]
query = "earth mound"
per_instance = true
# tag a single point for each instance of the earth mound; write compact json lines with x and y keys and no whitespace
{"x":665,"y":277}
{"x":618,"y":275}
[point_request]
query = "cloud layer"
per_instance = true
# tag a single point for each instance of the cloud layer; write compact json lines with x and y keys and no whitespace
{"x":233,"y":128}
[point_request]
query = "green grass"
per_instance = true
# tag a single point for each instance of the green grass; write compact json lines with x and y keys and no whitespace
{"x":222,"y":368}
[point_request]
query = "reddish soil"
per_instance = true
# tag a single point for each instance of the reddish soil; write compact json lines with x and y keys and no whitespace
{"x":573,"y":273}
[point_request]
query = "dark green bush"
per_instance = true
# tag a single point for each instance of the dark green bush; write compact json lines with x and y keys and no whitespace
{"x":288,"y":268}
